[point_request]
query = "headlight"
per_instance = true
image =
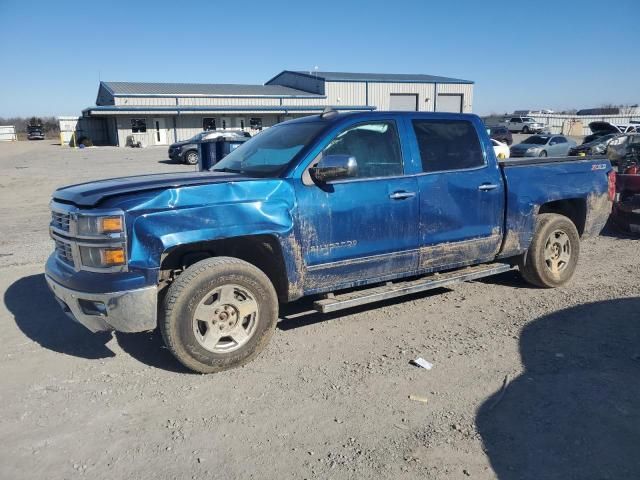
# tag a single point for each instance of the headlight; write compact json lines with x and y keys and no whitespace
{"x":102,"y":257}
{"x":99,"y":225}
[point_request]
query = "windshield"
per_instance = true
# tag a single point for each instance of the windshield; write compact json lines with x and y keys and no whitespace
{"x":268,"y":154}
{"x":537,"y":140}
{"x":528,"y":119}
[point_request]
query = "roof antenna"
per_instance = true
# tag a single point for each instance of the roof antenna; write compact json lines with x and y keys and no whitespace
{"x":328,"y":112}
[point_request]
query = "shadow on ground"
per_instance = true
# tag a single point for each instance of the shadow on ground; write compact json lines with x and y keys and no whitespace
{"x":40,"y":318}
{"x":575,"y":411}
{"x":301,"y":314}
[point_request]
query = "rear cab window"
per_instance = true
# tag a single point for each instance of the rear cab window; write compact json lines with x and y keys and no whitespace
{"x":447,"y":145}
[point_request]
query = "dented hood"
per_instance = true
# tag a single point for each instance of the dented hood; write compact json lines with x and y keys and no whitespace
{"x":92,"y":193}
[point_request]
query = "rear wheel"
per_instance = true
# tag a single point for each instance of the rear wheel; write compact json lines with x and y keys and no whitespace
{"x":219,"y":314}
{"x":191,"y":157}
{"x":552,"y":257}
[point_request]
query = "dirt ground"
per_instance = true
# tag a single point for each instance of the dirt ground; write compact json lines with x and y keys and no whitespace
{"x":526,"y":383}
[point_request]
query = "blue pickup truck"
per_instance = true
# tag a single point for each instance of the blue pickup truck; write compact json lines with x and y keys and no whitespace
{"x":349,"y":208}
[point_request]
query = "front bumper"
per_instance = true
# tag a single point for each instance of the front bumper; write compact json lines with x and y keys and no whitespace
{"x":126,"y":311}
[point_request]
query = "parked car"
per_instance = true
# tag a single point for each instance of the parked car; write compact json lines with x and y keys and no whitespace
{"x":595,"y":147}
{"x":622,"y":146}
{"x":315,"y":206}
{"x":500,"y":133}
{"x":543,"y":146}
{"x":35,"y":134}
{"x":500,"y":149}
{"x":523,"y":125}
{"x":601,"y":128}
{"x":187,"y":150}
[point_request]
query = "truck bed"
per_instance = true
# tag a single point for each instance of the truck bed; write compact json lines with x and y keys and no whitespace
{"x":575,"y":186}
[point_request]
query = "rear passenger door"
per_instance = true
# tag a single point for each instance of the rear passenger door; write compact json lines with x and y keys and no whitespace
{"x":461,"y":194}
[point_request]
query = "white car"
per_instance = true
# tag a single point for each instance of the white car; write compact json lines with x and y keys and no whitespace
{"x":501,"y":149}
{"x":522,"y":125}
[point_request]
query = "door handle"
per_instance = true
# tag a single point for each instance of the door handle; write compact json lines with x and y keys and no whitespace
{"x":402,"y":195}
{"x":487,"y":186}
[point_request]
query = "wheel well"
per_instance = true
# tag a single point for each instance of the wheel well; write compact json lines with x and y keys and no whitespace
{"x":262,"y":251}
{"x":574,"y":209}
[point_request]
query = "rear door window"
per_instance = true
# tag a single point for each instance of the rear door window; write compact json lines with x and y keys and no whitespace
{"x":448,"y":145}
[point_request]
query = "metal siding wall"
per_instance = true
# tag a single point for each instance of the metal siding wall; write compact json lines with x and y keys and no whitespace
{"x":346,"y":93}
{"x":248,"y":101}
{"x":305,"y":101}
{"x":465,"y":89}
{"x":146,"y":101}
{"x":556,"y":121}
{"x":380,"y":94}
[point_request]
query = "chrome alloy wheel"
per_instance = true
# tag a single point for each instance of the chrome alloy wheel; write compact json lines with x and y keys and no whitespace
{"x":225,"y":319}
{"x":557,"y":251}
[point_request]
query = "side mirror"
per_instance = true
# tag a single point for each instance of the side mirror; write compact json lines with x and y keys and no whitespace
{"x":332,"y":167}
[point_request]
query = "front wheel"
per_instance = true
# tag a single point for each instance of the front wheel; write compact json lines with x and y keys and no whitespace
{"x":543,"y":154}
{"x":219,"y":314}
{"x":552,"y":257}
{"x":191,"y":158}
{"x":525,"y":129}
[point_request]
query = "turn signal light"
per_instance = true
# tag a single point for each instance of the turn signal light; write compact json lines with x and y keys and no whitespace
{"x":111,"y":224}
{"x":113,"y":256}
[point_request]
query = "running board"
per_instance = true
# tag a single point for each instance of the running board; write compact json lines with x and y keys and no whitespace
{"x":400,"y":288}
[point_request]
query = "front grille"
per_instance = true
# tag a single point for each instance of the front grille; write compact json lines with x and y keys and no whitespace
{"x":64,"y":252}
{"x":60,"y":221}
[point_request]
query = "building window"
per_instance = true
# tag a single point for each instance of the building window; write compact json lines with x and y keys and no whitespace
{"x":255,"y":123}
{"x":138,"y":125}
{"x":208,"y":124}
{"x":242,"y":124}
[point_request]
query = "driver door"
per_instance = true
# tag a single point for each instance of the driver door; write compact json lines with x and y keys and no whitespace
{"x":363,"y":228}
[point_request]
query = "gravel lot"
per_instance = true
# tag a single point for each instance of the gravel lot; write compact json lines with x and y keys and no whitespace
{"x":526,"y":383}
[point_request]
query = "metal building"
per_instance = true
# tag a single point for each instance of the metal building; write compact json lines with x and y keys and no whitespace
{"x":161,"y":113}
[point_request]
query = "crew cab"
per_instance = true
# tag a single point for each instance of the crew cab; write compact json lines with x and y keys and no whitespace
{"x":348,"y":208}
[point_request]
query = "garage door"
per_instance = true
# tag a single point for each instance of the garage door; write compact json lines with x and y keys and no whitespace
{"x":449,"y":103}
{"x":404,"y":101}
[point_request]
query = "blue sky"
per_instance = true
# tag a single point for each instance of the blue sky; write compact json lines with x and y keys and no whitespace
{"x":521,"y":55}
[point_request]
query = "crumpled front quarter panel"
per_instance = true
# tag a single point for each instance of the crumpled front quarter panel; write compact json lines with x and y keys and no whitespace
{"x":192,"y":214}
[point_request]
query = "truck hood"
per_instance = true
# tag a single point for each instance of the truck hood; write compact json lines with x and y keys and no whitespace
{"x":603,"y":127}
{"x":92,"y":193}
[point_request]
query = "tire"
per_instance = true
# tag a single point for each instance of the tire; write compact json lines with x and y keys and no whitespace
{"x":543,"y":153}
{"x":526,"y":129}
{"x":202,"y":319}
{"x":552,"y":257}
{"x":191,"y":157}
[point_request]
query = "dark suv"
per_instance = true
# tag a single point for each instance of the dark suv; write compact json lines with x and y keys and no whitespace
{"x":187,"y":150}
{"x":501,"y":134}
